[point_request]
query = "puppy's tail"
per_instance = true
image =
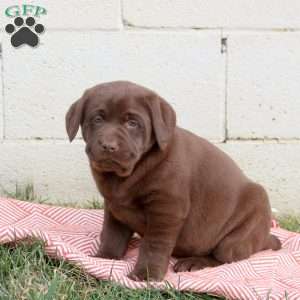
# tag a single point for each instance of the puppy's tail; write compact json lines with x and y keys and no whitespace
{"x":273,"y":243}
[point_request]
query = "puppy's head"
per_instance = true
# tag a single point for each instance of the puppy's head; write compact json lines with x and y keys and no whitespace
{"x":120,"y":121}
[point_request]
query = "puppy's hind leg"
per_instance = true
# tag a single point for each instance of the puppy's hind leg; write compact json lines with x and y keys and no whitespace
{"x":253,"y":233}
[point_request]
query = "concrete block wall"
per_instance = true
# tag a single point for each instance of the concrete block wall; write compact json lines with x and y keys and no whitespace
{"x":231,"y":70}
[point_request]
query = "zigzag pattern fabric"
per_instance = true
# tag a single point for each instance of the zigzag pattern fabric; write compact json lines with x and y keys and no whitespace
{"x":73,"y":235}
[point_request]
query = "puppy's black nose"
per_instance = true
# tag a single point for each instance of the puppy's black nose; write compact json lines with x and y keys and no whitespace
{"x":109,"y":146}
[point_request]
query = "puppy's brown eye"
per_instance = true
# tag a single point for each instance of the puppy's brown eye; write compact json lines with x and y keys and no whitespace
{"x":98,"y":119}
{"x":132,"y":123}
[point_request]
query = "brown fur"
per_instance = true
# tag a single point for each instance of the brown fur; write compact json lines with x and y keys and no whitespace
{"x":183,"y":195}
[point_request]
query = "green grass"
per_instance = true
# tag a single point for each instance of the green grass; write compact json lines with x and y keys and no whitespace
{"x":26,"y":273}
{"x":27,"y":193}
{"x":290,"y":222}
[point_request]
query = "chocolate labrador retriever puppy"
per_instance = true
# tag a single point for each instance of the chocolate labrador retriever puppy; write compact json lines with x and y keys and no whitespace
{"x":183,"y":195}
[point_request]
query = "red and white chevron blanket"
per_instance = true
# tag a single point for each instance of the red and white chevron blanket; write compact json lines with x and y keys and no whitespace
{"x":73,"y":235}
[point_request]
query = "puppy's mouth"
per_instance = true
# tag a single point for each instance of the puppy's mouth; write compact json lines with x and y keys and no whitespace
{"x":109,"y":165}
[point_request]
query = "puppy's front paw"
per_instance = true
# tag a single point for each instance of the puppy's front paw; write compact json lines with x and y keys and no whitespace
{"x":102,"y":253}
{"x":144,"y":273}
{"x":132,"y":275}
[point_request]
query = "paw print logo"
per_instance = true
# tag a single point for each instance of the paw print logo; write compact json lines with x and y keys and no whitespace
{"x":24,"y":33}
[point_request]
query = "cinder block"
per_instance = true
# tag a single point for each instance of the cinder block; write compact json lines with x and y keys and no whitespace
{"x":267,"y":14}
{"x":58,"y":170}
{"x":263,"y":85}
{"x":274,"y":165}
{"x":187,"y":69}
{"x":79,"y":14}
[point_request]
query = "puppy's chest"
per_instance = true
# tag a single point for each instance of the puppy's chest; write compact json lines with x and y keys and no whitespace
{"x":130,"y":213}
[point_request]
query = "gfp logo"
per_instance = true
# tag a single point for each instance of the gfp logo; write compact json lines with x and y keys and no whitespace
{"x":25,"y":30}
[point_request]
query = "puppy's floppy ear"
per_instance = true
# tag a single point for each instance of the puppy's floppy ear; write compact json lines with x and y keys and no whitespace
{"x":163,"y":120}
{"x":74,"y":116}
